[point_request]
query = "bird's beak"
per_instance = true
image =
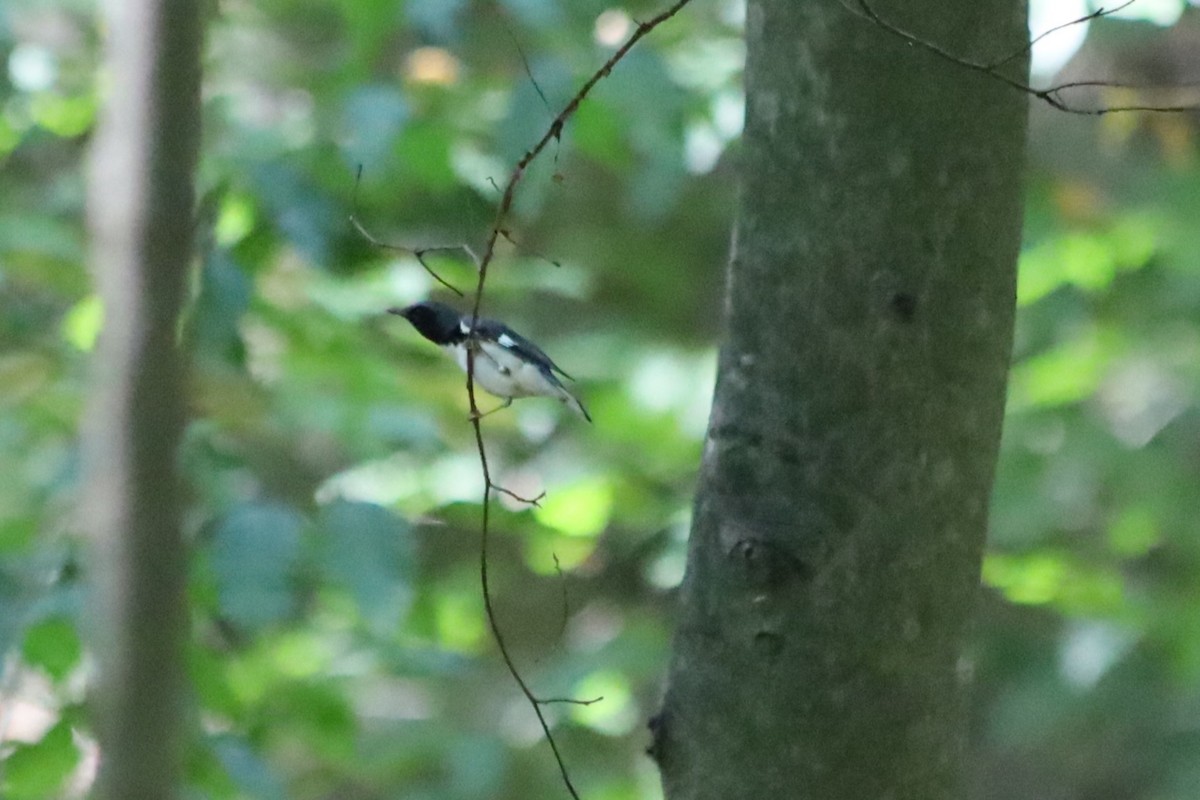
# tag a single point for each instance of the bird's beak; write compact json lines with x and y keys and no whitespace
{"x":400,"y":312}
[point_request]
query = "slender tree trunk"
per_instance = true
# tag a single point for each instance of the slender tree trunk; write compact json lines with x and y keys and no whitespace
{"x":842,"y":506}
{"x":141,"y":209}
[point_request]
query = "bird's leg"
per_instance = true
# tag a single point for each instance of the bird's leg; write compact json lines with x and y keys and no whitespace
{"x":476,"y":415}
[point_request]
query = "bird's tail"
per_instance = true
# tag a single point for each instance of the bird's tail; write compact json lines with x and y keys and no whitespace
{"x":573,"y":403}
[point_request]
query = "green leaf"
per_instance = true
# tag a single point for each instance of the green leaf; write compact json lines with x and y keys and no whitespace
{"x":1030,"y":580}
{"x":82,"y":323}
{"x":210,"y":683}
{"x":1057,"y":579}
{"x":1088,"y":261}
{"x":1135,"y":532}
{"x":424,"y":151}
{"x":1065,"y":374}
{"x":255,"y":557}
{"x":37,"y":771}
{"x":53,"y":645}
{"x":207,"y":778}
{"x":598,"y":132}
{"x":368,"y":551}
{"x":319,"y":714}
{"x":64,"y":116}
{"x":236,"y":220}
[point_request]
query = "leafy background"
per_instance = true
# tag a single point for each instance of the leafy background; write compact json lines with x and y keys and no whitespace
{"x":338,"y":647}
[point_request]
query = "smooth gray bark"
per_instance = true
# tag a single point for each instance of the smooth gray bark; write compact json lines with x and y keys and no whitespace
{"x":141,"y":214}
{"x":842,"y":506}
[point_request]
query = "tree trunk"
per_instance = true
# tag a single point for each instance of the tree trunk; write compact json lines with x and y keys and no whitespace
{"x":141,"y":209}
{"x":843,"y":498}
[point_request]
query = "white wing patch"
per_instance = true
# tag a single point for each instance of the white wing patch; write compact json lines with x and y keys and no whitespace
{"x":506,"y":341}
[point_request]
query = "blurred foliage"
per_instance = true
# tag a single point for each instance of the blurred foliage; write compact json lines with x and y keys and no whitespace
{"x":338,"y":647}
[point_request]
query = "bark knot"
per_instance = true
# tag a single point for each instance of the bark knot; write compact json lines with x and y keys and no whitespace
{"x":904,"y":306}
{"x":765,"y":564}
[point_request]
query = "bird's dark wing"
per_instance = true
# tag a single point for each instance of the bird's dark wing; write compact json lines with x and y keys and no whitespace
{"x":506,"y":337}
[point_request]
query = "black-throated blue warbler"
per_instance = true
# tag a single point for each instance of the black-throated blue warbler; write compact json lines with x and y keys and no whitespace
{"x":506,"y":364}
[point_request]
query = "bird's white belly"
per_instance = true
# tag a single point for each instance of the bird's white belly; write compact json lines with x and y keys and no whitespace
{"x":503,"y":374}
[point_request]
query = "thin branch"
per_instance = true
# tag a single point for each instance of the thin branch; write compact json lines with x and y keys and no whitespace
{"x":488,"y":608}
{"x":1051,"y":95}
{"x":509,"y":238}
{"x":1097,"y":14}
{"x":536,"y":502}
{"x":569,"y":701}
{"x":553,"y":132}
{"x":566,"y":607}
{"x":529,"y":70}
{"x":537,"y":88}
{"x":416,"y":252}
{"x":1178,"y":108}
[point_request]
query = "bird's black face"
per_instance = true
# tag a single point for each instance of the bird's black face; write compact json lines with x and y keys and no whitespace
{"x":437,"y":322}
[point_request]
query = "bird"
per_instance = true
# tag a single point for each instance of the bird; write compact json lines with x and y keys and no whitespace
{"x":506,"y":364}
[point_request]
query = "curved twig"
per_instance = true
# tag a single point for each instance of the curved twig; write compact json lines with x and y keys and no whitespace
{"x":1097,"y":14}
{"x":416,"y":252}
{"x":1051,"y":95}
